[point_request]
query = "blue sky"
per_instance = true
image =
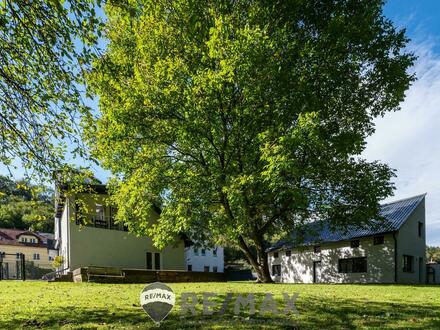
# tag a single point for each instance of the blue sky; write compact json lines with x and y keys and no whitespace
{"x":408,"y":140}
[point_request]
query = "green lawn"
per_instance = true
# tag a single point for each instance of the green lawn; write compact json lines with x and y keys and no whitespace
{"x":110,"y":306}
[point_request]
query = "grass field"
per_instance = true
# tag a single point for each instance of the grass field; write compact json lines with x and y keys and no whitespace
{"x":40,"y":305}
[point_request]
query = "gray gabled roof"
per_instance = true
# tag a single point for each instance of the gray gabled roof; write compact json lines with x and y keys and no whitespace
{"x":395,"y":214}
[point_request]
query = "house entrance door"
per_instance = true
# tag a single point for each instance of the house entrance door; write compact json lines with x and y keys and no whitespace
{"x":316,"y":271}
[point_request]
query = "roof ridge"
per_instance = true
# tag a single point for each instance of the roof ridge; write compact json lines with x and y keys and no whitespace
{"x":403,"y":199}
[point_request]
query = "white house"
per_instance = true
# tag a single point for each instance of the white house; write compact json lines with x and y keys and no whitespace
{"x":92,"y":238}
{"x":200,"y":259}
{"x":393,"y":253}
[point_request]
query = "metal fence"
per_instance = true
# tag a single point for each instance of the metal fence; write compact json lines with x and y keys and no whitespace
{"x":12,"y":266}
{"x":17,"y":267}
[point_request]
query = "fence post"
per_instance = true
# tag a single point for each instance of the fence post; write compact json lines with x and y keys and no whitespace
{"x":23,"y":267}
{"x":1,"y":266}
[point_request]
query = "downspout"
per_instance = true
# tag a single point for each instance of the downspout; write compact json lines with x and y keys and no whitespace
{"x":68,"y":233}
{"x":395,"y":257}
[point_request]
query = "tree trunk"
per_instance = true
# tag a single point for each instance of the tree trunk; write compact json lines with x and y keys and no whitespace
{"x":259,"y":262}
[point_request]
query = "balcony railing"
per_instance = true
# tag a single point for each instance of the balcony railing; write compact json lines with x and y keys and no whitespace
{"x":103,"y":222}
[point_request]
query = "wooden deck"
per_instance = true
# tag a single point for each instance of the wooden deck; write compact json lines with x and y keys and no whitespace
{"x":129,"y":275}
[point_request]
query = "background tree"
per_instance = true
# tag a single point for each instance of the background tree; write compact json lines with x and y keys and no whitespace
{"x":433,"y":253}
{"x":45,"y":46}
{"x":245,"y":119}
{"x":21,"y":207}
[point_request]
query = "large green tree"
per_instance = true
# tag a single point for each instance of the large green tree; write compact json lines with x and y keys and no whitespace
{"x":45,"y":47}
{"x":246,"y":119}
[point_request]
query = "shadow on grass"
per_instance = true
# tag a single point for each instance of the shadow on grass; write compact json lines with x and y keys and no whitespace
{"x":314,"y":313}
{"x":351,"y":314}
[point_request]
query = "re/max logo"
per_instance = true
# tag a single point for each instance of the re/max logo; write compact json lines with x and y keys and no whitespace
{"x":157,"y":295}
{"x":241,"y":303}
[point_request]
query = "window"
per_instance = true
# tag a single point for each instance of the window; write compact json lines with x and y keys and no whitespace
{"x":149,"y":260}
{"x":214,"y":252}
{"x":408,"y":264}
{"x":203,"y":252}
{"x":50,"y":258}
{"x":33,"y":240}
{"x":214,"y":269}
{"x":206,"y":269}
{"x":378,"y":240}
{"x":276,"y":270}
{"x":36,"y":256}
{"x":317,"y":248}
{"x":288,"y":253}
{"x":355,"y":243}
{"x":100,"y":220}
{"x":17,"y":255}
{"x":190,"y":268}
{"x":157,"y":260}
{"x":420,"y":229}
{"x":353,"y":265}
{"x":275,"y":255}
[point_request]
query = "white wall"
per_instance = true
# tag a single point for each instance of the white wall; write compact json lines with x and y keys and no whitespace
{"x":198,"y":261}
{"x":63,"y":248}
{"x":409,"y":243}
{"x":298,"y":268}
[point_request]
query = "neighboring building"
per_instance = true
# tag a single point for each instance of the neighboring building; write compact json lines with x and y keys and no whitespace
{"x":393,"y":253}
{"x":433,"y":273}
{"x":94,"y":239}
{"x":36,"y":247}
{"x":50,"y":240}
{"x":200,"y":259}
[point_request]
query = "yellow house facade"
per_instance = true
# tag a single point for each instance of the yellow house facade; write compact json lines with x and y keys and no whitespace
{"x":36,"y":248}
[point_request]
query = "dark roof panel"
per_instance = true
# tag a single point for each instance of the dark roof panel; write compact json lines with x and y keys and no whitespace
{"x":395,"y":215}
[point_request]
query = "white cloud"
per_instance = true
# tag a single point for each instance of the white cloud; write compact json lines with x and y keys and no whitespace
{"x":409,"y":140}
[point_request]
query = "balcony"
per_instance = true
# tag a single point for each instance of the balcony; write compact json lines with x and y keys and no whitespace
{"x":102,"y":222}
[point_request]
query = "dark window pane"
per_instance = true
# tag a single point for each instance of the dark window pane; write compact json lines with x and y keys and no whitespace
{"x":149,"y":260}
{"x":378,"y":240}
{"x":288,"y":253}
{"x":317,"y":248}
{"x":408,"y":264}
{"x":275,"y":254}
{"x":355,"y":243}
{"x":352,"y":265}
{"x":157,"y":261}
